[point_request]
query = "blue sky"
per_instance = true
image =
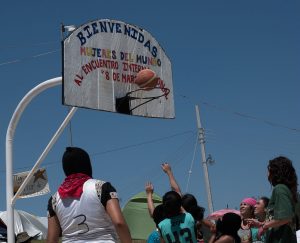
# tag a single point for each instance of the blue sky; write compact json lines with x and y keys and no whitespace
{"x":238,"y":60}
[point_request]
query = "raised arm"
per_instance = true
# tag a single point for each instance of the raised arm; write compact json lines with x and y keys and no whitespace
{"x":174,"y":185}
{"x":149,"y":192}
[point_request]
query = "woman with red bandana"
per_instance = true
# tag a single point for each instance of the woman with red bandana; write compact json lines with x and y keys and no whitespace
{"x":84,"y":209}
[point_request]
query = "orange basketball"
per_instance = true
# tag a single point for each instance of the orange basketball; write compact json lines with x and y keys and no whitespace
{"x":146,"y":79}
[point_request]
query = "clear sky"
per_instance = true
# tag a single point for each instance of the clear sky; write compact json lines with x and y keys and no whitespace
{"x":238,"y":60}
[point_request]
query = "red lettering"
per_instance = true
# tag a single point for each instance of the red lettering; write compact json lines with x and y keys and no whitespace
{"x":162,"y":86}
{"x":82,"y":51}
{"x":79,"y":80}
{"x":128,"y":78}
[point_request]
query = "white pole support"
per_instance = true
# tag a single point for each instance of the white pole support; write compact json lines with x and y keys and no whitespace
{"x":10,"y":200}
{"x":44,"y":154}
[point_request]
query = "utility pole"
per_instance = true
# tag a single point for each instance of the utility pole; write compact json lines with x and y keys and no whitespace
{"x":204,"y":161}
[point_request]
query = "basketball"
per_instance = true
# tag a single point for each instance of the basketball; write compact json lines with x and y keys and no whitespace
{"x":146,"y":79}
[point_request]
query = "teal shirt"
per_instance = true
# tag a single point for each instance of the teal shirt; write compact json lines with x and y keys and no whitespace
{"x":154,"y":237}
{"x":180,"y":228}
{"x":281,"y":206}
{"x":254,"y":236}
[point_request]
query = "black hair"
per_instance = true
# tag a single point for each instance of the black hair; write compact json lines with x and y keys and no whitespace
{"x":197,"y":212}
{"x":159,"y":214}
{"x":188,"y":201}
{"x":265,"y":200}
{"x":172,"y":203}
{"x":76,"y":160}
{"x":281,"y":171}
{"x":229,"y":225}
{"x":190,"y":204}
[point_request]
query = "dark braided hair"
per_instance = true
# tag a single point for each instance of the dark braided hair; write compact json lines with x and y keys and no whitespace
{"x":281,"y":171}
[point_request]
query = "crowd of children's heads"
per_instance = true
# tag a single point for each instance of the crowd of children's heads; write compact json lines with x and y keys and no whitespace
{"x":252,"y":213}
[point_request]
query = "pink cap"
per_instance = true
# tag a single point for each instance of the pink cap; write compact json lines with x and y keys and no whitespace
{"x":250,"y":201}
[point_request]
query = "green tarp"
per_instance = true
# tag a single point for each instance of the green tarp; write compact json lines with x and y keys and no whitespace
{"x":137,"y":216}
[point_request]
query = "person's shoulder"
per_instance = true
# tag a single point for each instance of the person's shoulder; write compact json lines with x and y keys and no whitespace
{"x":226,"y":239}
{"x":99,"y":184}
{"x":163,"y":222}
{"x":53,"y":198}
{"x":188,"y":215}
{"x":281,"y":188}
{"x":97,"y":181}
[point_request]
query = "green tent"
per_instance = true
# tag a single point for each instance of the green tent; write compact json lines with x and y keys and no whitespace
{"x":137,"y":216}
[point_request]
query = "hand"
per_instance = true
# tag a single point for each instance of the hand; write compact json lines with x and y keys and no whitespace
{"x":149,"y":188}
{"x":166,"y":167}
{"x":213,"y":228}
{"x":254,"y":223}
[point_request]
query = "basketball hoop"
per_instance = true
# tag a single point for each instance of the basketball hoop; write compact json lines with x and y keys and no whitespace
{"x":123,"y":104}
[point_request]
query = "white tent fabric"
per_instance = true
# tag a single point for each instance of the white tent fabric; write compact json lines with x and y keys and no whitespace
{"x":26,"y":222}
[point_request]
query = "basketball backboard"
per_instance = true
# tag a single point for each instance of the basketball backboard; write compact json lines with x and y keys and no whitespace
{"x":101,"y":60}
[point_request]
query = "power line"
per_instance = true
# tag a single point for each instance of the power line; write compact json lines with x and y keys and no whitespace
{"x":152,"y":171}
{"x":31,"y":57}
{"x":116,"y":149}
{"x":244,"y":115}
{"x":142,"y":143}
{"x":27,"y":45}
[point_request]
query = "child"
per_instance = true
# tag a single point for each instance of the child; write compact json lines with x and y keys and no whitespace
{"x":227,"y":229}
{"x":178,"y":226}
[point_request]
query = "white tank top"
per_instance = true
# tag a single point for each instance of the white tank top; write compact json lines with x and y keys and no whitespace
{"x":84,"y":219}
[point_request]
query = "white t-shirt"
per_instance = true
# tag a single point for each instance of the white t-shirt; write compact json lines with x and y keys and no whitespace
{"x":85,"y":219}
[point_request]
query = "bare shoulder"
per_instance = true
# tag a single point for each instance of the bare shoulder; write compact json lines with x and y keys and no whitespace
{"x":225,"y":239}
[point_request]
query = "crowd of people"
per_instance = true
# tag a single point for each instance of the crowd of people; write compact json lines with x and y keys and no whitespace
{"x":87,"y":210}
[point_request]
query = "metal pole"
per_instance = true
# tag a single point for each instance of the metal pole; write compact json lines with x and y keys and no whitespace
{"x":45,"y":152}
{"x":204,"y":161}
{"x":9,"y":150}
{"x":62,"y":31}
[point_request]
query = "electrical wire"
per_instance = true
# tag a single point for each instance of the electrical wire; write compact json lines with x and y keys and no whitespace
{"x":192,"y":164}
{"x":2,"y":47}
{"x":31,"y":57}
{"x":243,"y":115}
{"x":142,"y":143}
{"x":115,"y":149}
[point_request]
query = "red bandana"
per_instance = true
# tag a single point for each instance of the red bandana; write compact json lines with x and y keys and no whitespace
{"x":73,"y":185}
